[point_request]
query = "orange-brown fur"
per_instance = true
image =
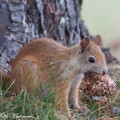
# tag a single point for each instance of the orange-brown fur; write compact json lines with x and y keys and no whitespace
{"x":44,"y":61}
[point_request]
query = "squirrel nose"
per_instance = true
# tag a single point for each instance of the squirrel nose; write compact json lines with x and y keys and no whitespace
{"x":105,"y":72}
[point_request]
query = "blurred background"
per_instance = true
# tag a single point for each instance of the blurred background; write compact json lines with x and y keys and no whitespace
{"x":103,"y":17}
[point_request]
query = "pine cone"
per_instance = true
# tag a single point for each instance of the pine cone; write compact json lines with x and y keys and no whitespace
{"x":98,"y":85}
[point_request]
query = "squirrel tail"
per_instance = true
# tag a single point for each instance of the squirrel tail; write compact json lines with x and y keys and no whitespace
{"x":5,"y":79}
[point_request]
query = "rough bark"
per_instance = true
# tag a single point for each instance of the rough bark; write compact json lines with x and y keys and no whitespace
{"x":22,"y":20}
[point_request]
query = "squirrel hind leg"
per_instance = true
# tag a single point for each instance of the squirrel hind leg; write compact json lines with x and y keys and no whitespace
{"x":24,"y":75}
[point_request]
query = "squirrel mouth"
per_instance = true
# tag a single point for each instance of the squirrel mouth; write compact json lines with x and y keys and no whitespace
{"x":90,"y":72}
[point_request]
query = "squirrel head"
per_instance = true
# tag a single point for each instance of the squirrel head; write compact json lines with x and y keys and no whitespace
{"x":91,"y":57}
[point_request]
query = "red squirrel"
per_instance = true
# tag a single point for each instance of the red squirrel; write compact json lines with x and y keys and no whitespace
{"x":32,"y":67}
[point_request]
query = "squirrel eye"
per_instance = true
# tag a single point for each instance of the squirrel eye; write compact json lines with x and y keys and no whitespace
{"x":91,"y":60}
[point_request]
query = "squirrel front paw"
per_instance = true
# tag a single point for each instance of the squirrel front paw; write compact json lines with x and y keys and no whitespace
{"x":82,"y":109}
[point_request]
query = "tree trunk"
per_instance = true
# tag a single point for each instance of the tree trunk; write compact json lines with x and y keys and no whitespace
{"x":22,"y":20}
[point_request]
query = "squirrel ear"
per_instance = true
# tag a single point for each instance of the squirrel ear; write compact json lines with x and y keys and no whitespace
{"x":84,"y":43}
{"x":97,"y":40}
